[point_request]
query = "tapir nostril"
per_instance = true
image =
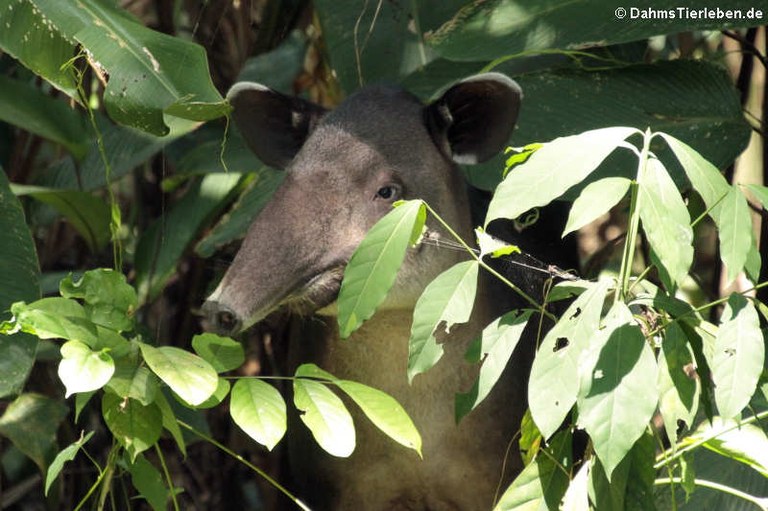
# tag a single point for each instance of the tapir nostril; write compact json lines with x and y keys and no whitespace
{"x":221,"y":319}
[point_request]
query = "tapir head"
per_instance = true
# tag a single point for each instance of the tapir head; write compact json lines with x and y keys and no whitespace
{"x":344,"y":169}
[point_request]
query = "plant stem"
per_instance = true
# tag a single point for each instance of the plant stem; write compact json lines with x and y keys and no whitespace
{"x":540,"y":308}
{"x":167,"y":477}
{"x":630,"y":242}
{"x":245,"y":462}
{"x":762,"y":503}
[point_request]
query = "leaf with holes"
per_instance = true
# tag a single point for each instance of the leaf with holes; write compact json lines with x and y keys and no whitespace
{"x":554,"y":382}
{"x":738,"y":356}
{"x":326,"y":417}
{"x":678,"y":392}
{"x":446,"y":301}
{"x":188,"y":375}
{"x":373,"y":268}
{"x":258,"y":408}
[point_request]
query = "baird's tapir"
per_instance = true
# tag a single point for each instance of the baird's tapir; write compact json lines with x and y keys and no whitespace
{"x":344,"y":169}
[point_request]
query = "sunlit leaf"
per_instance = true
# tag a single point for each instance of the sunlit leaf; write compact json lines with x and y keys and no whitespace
{"x":82,"y":369}
{"x":109,"y":300}
{"x":133,"y":380}
{"x":738,"y":356}
{"x":65,"y":455}
{"x":745,"y":443}
{"x":665,"y":219}
{"x":678,"y":392}
{"x":326,"y":417}
{"x":552,"y":170}
{"x":135,"y":426}
{"x":447,"y":300}
{"x":493,"y":348}
{"x":56,"y":318}
{"x":760,"y":192}
{"x":735,"y":231}
{"x":258,"y":408}
{"x":188,"y":375}
{"x":372,"y":270}
{"x":595,"y":200}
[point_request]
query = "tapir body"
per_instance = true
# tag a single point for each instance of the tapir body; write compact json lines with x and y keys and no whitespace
{"x":344,"y":169}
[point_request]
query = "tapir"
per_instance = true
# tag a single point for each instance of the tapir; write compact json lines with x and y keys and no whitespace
{"x":344,"y":169}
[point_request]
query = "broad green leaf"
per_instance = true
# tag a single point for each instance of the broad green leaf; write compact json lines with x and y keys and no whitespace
{"x":222,"y":353}
{"x":258,"y":408}
{"x":135,"y":426}
{"x":730,"y":213}
{"x":65,"y":455}
{"x":219,"y":395}
{"x":150,"y":73}
{"x":149,"y":483}
{"x":88,"y":214}
{"x":493,"y":348}
{"x":543,"y":483}
{"x":678,"y":392}
{"x":29,"y":108}
{"x":595,"y":199}
{"x":326,"y":417}
{"x":745,"y":443}
{"x":761,"y":193}
{"x":382,"y":409}
{"x":385,"y":413}
{"x":169,"y":422}
{"x":614,"y":403}
{"x":665,"y":220}
{"x":447,"y":300}
{"x":735,"y":231}
{"x":738,"y":357}
{"x":19,"y":280}
{"x":554,"y":382}
{"x":30,"y":422}
{"x":552,"y":170}
{"x":373,"y":267}
{"x":109,"y":300}
{"x":55,"y":318}
{"x":133,"y":380}
{"x":82,"y":369}
{"x":162,"y":245}
{"x":188,"y":375}
{"x":640,"y":487}
{"x":608,"y":491}
{"x":576,"y":498}
{"x":38,"y":45}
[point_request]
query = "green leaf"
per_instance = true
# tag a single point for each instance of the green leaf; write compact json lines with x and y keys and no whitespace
{"x":31,"y":422}
{"x":162,"y":245}
{"x":188,"y":375}
{"x":222,"y":353}
{"x":745,"y":443}
{"x":554,"y":382}
{"x":729,"y":212}
{"x":65,"y":455}
{"x":56,"y":318}
{"x":19,"y":280}
{"x":738,"y":356}
{"x":760,"y":192}
{"x":135,"y":426}
{"x":150,"y":73}
{"x":373,"y":267}
{"x":640,"y":480}
{"x":149,"y":483}
{"x":735,"y":231}
{"x":665,"y":220}
{"x":596,"y":199}
{"x":326,"y":417}
{"x":577,"y":496}
{"x":170,"y":423}
{"x":678,"y":392}
{"x":493,"y":348}
{"x":258,"y":408}
{"x":133,"y":380}
{"x":109,"y":300}
{"x":552,"y":170}
{"x":218,"y":396}
{"x":84,"y":370}
{"x":446,"y":301}
{"x":608,"y":491}
{"x":29,"y":108}
{"x":543,"y":483}
{"x":614,"y":403}
{"x":38,"y":45}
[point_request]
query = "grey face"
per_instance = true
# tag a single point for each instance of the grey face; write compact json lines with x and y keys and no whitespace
{"x":344,"y":169}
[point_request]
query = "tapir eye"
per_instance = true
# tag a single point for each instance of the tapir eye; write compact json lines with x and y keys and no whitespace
{"x":388,"y":192}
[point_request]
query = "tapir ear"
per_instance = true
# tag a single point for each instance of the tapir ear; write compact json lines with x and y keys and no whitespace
{"x":273,"y":125}
{"x":473,"y":120}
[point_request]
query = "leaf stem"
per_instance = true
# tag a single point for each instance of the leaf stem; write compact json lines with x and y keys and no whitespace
{"x":167,"y":475}
{"x":245,"y":462}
